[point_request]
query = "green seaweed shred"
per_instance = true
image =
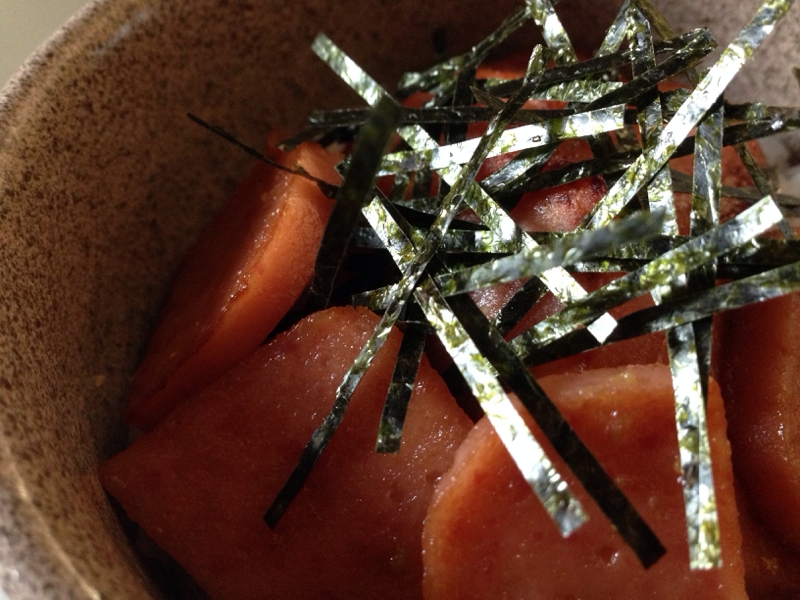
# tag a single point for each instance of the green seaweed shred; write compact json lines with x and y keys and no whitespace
{"x":481,"y":379}
{"x":357,"y":183}
{"x":393,"y":416}
{"x":661,"y":271}
{"x":423,"y":226}
{"x":691,"y":111}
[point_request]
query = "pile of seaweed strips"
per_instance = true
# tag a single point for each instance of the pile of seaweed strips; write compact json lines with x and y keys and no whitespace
{"x":633,"y":229}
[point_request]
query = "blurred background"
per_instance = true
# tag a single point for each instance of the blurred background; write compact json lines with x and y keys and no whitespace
{"x":24,"y":24}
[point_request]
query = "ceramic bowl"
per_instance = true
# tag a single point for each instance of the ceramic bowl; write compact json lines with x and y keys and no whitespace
{"x":104,"y":182}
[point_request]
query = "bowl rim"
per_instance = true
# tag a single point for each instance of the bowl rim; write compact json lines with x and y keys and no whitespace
{"x":32,"y":539}
{"x":45,"y":57}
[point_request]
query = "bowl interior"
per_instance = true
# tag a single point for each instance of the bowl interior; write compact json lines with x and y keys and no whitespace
{"x":105,"y":182}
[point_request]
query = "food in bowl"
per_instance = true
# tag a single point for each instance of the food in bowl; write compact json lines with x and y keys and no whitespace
{"x":207,"y":419}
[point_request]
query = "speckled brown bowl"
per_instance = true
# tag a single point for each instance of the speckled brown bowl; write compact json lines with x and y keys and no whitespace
{"x":104,"y":182}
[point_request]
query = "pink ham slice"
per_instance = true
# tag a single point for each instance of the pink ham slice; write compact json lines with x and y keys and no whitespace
{"x":238,"y":281}
{"x":200,"y":483}
{"x":487,"y":536}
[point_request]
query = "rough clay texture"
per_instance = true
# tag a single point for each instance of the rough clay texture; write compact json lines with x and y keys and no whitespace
{"x":104,"y":182}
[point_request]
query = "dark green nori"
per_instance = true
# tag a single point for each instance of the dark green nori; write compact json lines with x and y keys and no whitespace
{"x":390,"y":430}
{"x":706,"y":190}
{"x":354,"y":191}
{"x":477,"y":375}
{"x":439,"y":79}
{"x":353,"y":194}
{"x":695,"y":50}
{"x":426,"y":241}
{"x":626,"y":519}
{"x":661,"y":271}
{"x":760,"y":179}
{"x":327,"y":188}
{"x":519,"y":305}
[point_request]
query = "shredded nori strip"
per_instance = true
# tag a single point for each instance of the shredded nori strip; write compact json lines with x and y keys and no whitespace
{"x":578,"y":125}
{"x":602,"y":165}
{"x":481,"y":380}
{"x":697,"y":48}
{"x":348,"y":118}
{"x":555,"y":36}
{"x":659,"y":191}
{"x":706,"y":193}
{"x":626,"y":519}
{"x":686,"y":364}
{"x":697,"y":480}
{"x":328,"y":189}
{"x":518,"y":306}
{"x":770,"y":284}
{"x":393,"y":417}
{"x":699,"y":102}
{"x":438,"y":255}
{"x":670,"y":265}
{"x":353,"y":193}
{"x":510,"y":181}
{"x":616,"y":33}
{"x":530,"y":458}
{"x":760,"y":179}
